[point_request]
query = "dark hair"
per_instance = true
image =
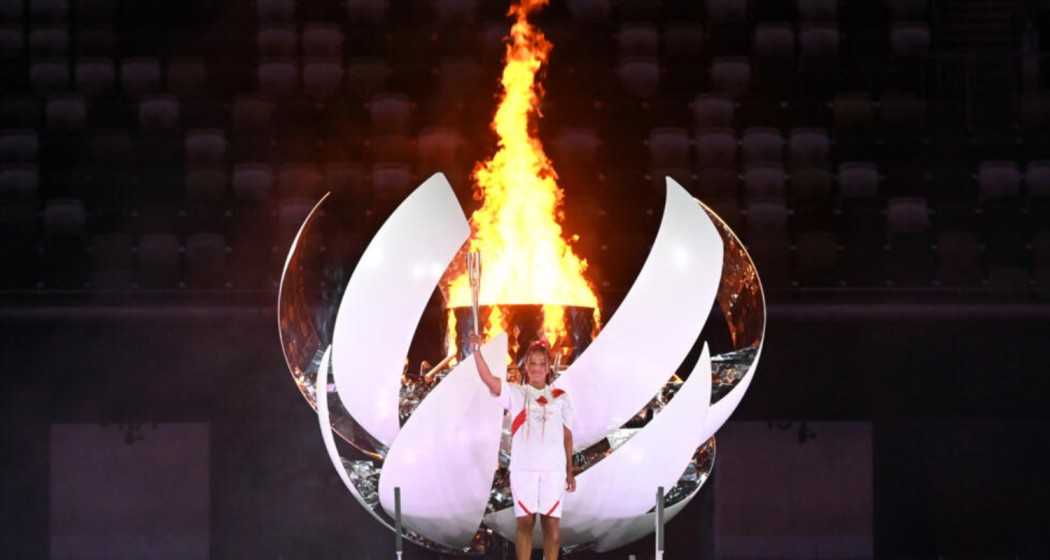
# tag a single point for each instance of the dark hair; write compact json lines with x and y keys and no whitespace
{"x":536,"y":346}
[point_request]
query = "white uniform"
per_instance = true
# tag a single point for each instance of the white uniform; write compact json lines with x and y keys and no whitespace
{"x":537,"y":464}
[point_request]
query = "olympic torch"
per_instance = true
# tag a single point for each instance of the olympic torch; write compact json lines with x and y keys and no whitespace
{"x":474,"y":272}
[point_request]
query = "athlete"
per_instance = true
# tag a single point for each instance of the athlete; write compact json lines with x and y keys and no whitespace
{"x":541,"y":446}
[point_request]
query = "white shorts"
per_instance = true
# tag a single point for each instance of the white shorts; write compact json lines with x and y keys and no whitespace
{"x":537,"y":492}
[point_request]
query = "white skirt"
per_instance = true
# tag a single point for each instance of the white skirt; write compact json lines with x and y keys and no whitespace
{"x":537,"y":492}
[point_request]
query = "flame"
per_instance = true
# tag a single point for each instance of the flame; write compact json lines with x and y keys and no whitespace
{"x":517,"y":230}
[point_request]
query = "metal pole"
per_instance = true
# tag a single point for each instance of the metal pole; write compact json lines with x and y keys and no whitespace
{"x":659,"y":523}
{"x":398,"y":548}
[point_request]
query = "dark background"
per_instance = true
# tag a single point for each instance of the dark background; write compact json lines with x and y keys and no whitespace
{"x":885,"y":165}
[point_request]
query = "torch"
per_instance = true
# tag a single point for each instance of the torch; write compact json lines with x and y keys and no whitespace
{"x":474,"y":272}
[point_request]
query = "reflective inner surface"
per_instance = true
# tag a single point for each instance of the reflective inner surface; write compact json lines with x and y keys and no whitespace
{"x":308,"y":297}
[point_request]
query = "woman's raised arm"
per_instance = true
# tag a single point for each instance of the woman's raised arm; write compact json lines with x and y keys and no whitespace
{"x":483,"y":368}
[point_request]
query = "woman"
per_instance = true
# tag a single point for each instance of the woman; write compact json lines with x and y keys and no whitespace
{"x":541,"y":446}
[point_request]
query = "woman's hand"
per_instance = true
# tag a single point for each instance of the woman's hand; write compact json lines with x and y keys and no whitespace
{"x":473,"y":342}
{"x":570,"y":481}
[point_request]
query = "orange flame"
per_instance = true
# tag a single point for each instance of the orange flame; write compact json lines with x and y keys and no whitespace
{"x":517,"y":229}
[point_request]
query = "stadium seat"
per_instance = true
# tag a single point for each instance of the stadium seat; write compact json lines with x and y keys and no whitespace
{"x":252,"y":182}
{"x":12,"y":10}
{"x":159,"y":261}
{"x":1037,"y":186}
{"x":762,"y":145}
{"x":391,"y":183}
{"x":818,"y":46}
{"x":277,"y":78}
{"x":809,"y":147}
{"x":908,"y":225}
{"x":206,"y":260}
{"x":205,"y":147}
{"x":19,"y":146}
{"x":639,"y":77}
{"x":861,"y":223}
{"x":95,"y":76}
{"x":390,"y":112}
{"x":669,"y":147}
{"x":764,"y":183}
{"x":439,"y":148}
{"x":65,"y":112}
{"x":49,"y":76}
{"x":322,"y":40}
{"x":576,"y":144}
{"x":322,"y":78}
{"x":64,"y":218}
{"x":159,"y":112}
{"x":768,"y":242}
{"x":279,"y":41}
{"x":12,"y":42}
{"x":716,"y":148}
{"x":731,"y":76}
{"x":910,"y":39}
{"x":112,"y":261}
{"x":49,"y":42}
{"x":713,"y":111}
{"x":858,"y":179}
{"x":999,"y":181}
{"x":638,"y":40}
{"x":299,"y":180}
{"x":19,"y":182}
{"x":774,"y":41}
{"x":140,"y":76}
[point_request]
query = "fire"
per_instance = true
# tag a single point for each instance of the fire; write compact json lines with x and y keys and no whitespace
{"x":517,"y":230}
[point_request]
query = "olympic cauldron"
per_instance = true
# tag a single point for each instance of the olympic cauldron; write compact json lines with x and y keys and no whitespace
{"x":648,"y":394}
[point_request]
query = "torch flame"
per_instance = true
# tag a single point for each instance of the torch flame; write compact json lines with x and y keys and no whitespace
{"x":517,"y":229}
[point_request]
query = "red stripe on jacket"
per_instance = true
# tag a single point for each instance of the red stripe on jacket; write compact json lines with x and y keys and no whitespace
{"x":517,"y":423}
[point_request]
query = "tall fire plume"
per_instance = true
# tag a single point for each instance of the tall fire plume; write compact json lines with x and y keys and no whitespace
{"x":525,"y":258}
